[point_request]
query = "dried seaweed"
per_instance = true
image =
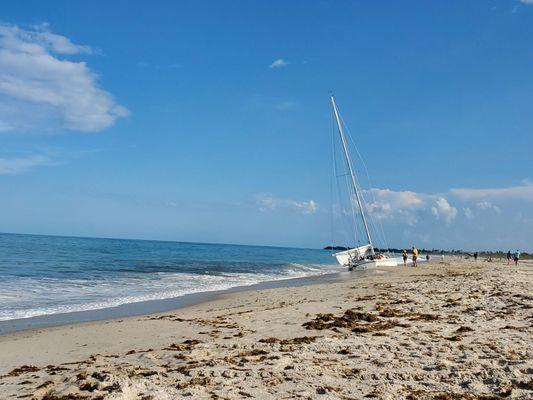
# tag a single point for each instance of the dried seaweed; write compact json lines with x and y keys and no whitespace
{"x":297,"y":340}
{"x":22,"y":370}
{"x":186,"y":345}
{"x":356,"y":321}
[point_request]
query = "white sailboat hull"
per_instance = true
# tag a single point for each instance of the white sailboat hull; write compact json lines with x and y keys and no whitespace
{"x":355,"y":259}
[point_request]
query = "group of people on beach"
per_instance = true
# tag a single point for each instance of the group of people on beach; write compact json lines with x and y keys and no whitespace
{"x":514,"y":257}
{"x":414,"y":251}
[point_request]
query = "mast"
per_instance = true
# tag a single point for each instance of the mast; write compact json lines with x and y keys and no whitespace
{"x":350,"y":168}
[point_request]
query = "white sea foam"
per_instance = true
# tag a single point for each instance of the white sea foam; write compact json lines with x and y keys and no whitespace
{"x":25,"y":297}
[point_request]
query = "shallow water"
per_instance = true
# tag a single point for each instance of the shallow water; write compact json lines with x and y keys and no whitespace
{"x":43,"y":275}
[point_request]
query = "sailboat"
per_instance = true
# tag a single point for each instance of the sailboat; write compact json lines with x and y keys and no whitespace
{"x":362,"y":257}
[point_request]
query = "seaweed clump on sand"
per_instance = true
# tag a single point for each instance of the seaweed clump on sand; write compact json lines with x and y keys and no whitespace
{"x":356,"y":321}
{"x":467,"y":396}
{"x":70,"y":396}
{"x":297,"y":340}
{"x":22,"y":370}
{"x":185,"y":345}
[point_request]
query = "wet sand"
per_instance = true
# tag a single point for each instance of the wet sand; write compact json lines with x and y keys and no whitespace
{"x":449,"y":330}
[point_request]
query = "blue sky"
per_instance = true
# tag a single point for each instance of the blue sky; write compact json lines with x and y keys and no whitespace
{"x":209,"y":120}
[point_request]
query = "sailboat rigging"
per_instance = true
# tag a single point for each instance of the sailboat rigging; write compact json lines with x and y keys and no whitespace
{"x":362,"y":257}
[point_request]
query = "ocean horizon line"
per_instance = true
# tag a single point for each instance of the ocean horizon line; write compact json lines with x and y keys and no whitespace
{"x":159,"y":240}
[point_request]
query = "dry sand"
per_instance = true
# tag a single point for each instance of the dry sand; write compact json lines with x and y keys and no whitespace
{"x":441,"y":331}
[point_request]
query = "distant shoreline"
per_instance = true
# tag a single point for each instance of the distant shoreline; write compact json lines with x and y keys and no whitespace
{"x":436,"y":252}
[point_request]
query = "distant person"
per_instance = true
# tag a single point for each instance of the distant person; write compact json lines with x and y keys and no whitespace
{"x":442,"y":256}
{"x":427,"y":257}
{"x":516,"y":257}
{"x":404,"y":258}
{"x":509,"y":257}
{"x":415,"y":255}
{"x":475,"y":256}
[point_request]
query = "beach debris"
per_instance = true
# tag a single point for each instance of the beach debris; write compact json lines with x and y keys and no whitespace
{"x":42,"y":385}
{"x":185,"y":345}
{"x":23,"y":369}
{"x":296,"y":340}
{"x":70,"y":396}
{"x":53,"y":369}
{"x":356,"y":321}
{"x":321,"y":390}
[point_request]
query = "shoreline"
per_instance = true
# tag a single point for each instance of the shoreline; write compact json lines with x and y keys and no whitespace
{"x":440,"y":331}
{"x":155,"y":306}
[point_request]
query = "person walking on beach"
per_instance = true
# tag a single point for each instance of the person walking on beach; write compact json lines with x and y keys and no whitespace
{"x":508,"y":257}
{"x":405,"y":258}
{"x":516,"y":257}
{"x":475,"y":256}
{"x":415,"y":255}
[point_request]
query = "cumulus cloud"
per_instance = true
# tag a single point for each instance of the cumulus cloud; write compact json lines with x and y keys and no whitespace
{"x":390,"y":204}
{"x":443,"y":209}
{"x":280,"y":62}
{"x":519,"y":192}
{"x":19,"y":165}
{"x":269,"y":203}
{"x":41,"y":89}
{"x":408,"y":207}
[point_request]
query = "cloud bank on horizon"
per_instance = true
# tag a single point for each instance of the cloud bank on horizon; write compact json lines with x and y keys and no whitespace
{"x":461,"y":212}
{"x":40,"y":89}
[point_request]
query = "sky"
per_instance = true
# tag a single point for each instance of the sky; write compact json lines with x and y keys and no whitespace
{"x":209,"y":121}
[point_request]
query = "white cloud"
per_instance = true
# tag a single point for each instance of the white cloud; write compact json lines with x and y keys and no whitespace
{"x":520,"y":192}
{"x":468,"y":213}
{"x":526,"y":1}
{"x":13,"y":166}
{"x":443,"y":209}
{"x":390,"y":204}
{"x":280,"y":62}
{"x":408,"y":207}
{"x":40,"y":90}
{"x":487,"y":205}
{"x":269,"y":203}
{"x":480,"y":207}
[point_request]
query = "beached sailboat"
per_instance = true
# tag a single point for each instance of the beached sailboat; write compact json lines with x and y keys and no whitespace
{"x":362,"y":257}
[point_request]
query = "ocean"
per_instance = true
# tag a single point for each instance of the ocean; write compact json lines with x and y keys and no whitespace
{"x":46,"y":275}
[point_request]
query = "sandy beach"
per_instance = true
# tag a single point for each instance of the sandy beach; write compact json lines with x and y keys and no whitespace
{"x":453,"y":330}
